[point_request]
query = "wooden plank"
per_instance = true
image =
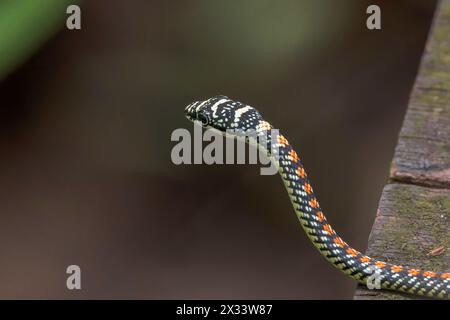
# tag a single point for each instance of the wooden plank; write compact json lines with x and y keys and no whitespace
{"x":411,"y":221}
{"x":423,"y":150}
{"x":414,"y":209}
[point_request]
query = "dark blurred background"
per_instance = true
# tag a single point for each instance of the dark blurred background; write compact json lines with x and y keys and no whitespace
{"x":85,"y":124}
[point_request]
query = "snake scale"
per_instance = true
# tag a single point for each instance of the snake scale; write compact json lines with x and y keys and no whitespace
{"x":231,"y":118}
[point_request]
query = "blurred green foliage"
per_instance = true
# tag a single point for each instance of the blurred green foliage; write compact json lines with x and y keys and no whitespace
{"x":258,"y":40}
{"x":258,"y":33}
{"x":25,"y":25}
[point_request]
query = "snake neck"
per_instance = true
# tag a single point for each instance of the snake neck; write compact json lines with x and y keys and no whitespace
{"x":341,"y":255}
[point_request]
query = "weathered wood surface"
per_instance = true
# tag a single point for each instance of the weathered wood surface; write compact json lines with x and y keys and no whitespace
{"x":423,"y":151}
{"x":414,"y":210}
{"x":411,"y":221}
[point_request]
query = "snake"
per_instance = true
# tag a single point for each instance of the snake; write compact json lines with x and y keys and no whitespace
{"x":233,"y":118}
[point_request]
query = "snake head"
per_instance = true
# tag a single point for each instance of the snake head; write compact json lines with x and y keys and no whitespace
{"x":224,"y":114}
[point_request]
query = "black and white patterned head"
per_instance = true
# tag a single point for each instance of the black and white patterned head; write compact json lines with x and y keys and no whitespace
{"x":224,"y":114}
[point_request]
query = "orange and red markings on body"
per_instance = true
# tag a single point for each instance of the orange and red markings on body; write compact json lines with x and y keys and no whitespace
{"x":396,"y":268}
{"x":430,"y":274}
{"x":364,"y":259}
{"x":352,"y":252}
{"x":293,"y":156}
{"x":445,"y":276}
{"x":327,"y":229}
{"x":320,"y":216}
{"x":313,"y":203}
{"x":301,"y":172}
{"x":264,"y":125}
{"x":339,"y":242}
{"x":380,"y":264}
{"x":413,"y":272}
{"x":307,"y":187}
{"x":282,"y":140}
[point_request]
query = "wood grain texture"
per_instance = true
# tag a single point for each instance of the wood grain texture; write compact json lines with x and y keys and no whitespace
{"x":411,"y":221}
{"x":423,"y":150}
{"x":414,"y":209}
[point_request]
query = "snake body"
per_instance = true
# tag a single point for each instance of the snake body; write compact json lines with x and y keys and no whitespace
{"x":230,"y":117}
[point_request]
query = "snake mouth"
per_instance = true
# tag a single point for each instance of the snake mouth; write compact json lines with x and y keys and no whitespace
{"x":190,"y":117}
{"x":193,"y":113}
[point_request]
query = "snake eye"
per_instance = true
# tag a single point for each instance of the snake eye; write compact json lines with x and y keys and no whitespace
{"x":204,"y":119}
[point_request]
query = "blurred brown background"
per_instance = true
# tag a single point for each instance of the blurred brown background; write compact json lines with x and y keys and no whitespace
{"x":85,"y":170}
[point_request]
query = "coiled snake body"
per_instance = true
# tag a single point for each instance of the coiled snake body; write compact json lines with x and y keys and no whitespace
{"x":233,"y":118}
